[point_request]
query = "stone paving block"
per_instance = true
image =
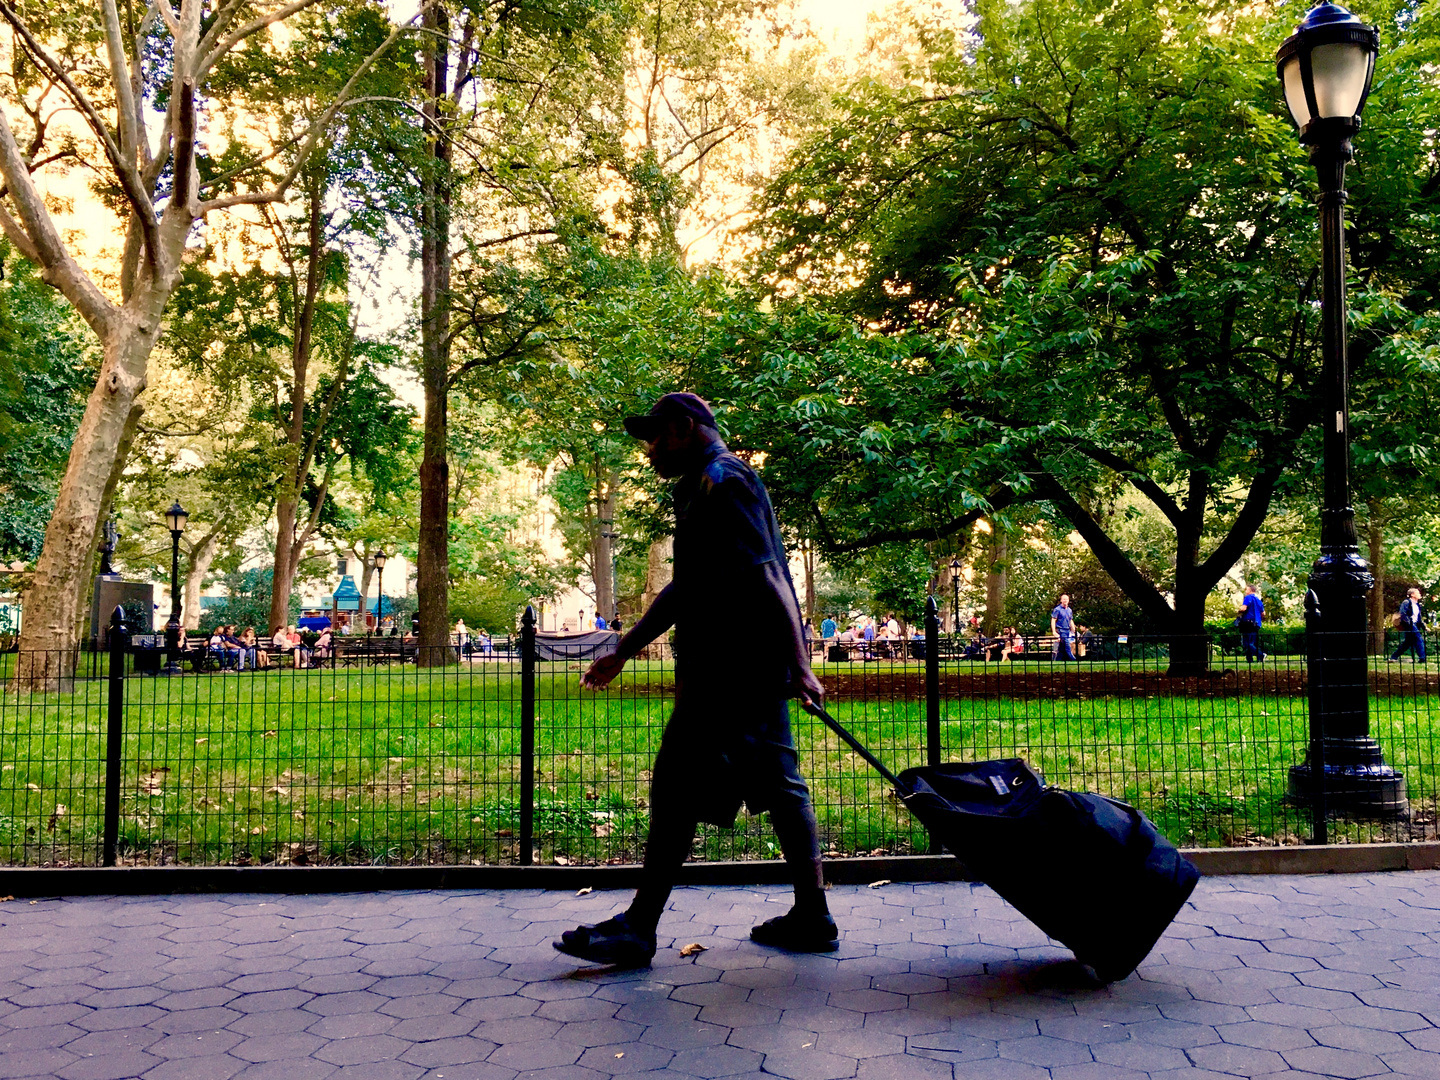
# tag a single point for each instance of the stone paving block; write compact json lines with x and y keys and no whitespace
{"x":40,"y":1061}
{"x":626,"y":1059}
{"x":121,"y":1064}
{"x":902,"y":1067}
{"x":1265,"y":1036}
{"x":713,"y":1062}
{"x":192,"y":1045}
{"x":685,"y":1036}
{"x":217,"y":1067}
{"x":1241,"y":1060}
{"x":536,"y":1054}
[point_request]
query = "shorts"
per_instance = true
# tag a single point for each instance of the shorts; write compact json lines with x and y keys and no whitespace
{"x":717,"y":754}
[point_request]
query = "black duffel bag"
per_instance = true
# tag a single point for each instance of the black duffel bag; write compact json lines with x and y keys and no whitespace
{"x":1093,"y":873}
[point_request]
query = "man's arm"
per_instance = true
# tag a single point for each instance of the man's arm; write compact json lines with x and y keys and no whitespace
{"x":1053,"y":632}
{"x":658,"y":618}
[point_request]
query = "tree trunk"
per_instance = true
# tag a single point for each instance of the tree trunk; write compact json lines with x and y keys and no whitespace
{"x":202,"y":556}
{"x":602,"y":554}
{"x":52,"y":626}
{"x":287,"y":558}
{"x":432,"y":560}
{"x":1375,"y":541}
{"x":997,"y":580}
{"x":659,"y":571}
{"x":807,"y":556}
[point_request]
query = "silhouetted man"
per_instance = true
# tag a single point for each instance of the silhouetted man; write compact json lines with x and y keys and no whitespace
{"x":728,"y":740}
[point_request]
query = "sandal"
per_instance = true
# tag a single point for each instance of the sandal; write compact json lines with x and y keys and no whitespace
{"x":798,"y":933}
{"x":612,"y":943}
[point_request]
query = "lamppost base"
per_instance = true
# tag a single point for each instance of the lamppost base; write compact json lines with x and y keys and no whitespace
{"x":1356,"y":780}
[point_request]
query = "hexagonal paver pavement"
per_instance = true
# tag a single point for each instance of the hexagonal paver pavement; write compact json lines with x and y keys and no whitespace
{"x":1335,"y":976}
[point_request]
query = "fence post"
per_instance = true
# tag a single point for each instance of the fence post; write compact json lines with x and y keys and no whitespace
{"x":932,"y":681}
{"x":527,"y":737}
{"x":1314,"y":657}
{"x":114,"y":733}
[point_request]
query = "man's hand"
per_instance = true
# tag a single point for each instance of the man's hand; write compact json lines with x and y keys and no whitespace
{"x":808,"y":688}
{"x":602,"y":672}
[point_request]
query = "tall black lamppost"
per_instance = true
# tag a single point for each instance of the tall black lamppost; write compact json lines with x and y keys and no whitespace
{"x":380,"y":560}
{"x":1326,"y":67}
{"x":175,"y":520}
{"x":955,"y":608}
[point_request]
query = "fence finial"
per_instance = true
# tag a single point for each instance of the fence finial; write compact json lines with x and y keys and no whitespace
{"x":528,"y":619}
{"x":117,"y":620}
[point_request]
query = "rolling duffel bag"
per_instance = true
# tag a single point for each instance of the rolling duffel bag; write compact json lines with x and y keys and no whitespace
{"x":1093,"y":873}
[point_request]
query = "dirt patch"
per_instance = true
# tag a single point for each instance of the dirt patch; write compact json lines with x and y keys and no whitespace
{"x":1079,"y":682}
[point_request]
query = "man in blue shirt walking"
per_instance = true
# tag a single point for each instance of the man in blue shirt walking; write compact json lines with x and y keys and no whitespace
{"x":1252,"y":613}
{"x":1062,"y":625}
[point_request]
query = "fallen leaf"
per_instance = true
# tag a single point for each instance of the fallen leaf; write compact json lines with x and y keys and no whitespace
{"x":33,"y":787}
{"x":877,"y":884}
{"x":396,"y":760}
{"x":199,"y":741}
{"x":270,"y":735}
{"x":560,"y":860}
{"x":620,"y":1054}
{"x":257,"y":830}
{"x":3,"y":899}
{"x":586,"y":891}
{"x":278,"y":790}
{"x":693,"y":948}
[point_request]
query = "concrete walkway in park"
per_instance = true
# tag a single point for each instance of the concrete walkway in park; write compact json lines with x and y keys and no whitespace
{"x":1261,"y":976}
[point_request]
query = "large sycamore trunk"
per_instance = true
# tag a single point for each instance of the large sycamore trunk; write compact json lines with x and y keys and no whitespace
{"x":201,"y":559}
{"x":50,"y":636}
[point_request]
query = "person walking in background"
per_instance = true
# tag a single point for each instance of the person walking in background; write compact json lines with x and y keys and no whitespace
{"x":827,"y":632}
{"x":1062,"y":625}
{"x":599,"y":621}
{"x":1412,"y":625}
{"x":728,"y":739}
{"x":1251,"y":615}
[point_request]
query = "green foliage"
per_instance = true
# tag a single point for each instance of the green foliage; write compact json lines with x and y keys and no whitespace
{"x":1070,"y":253}
{"x":486,"y":604}
{"x":246,"y":603}
{"x":46,"y":370}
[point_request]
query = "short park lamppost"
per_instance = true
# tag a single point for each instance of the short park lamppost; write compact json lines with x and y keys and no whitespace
{"x":381,"y":558}
{"x":955,"y":607}
{"x":1326,"y":67}
{"x":175,"y":521}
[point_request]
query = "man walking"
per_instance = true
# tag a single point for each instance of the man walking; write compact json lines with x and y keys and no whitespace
{"x":728,"y":739}
{"x":1412,"y":624}
{"x":1252,"y":614}
{"x":1062,"y":625}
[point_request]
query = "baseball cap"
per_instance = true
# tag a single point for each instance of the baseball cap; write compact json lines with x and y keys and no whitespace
{"x":670,"y":407}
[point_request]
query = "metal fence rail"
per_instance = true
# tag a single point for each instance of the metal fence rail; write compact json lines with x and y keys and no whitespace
{"x":500,"y":758}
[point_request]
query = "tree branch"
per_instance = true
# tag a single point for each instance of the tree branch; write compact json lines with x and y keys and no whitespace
{"x":211,"y":51}
{"x":1247,"y":524}
{"x":1136,"y":477}
{"x":125,"y":171}
{"x":1116,"y":563}
{"x":36,"y":236}
{"x":996,"y":500}
{"x":312,"y":135}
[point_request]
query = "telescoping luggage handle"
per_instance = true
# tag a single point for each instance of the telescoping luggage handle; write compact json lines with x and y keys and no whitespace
{"x":855,"y":744}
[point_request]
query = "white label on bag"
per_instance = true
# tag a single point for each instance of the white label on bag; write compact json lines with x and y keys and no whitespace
{"x":999,"y":785}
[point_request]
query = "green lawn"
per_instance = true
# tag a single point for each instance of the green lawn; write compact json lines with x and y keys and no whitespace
{"x":391,"y":764}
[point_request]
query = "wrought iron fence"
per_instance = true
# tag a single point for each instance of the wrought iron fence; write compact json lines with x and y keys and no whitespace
{"x":500,"y":757}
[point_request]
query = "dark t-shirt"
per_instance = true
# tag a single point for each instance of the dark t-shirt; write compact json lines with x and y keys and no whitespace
{"x":1064,"y":618}
{"x":725,"y":533}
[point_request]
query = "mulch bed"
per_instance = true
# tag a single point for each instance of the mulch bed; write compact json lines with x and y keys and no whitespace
{"x":1080,"y":682}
